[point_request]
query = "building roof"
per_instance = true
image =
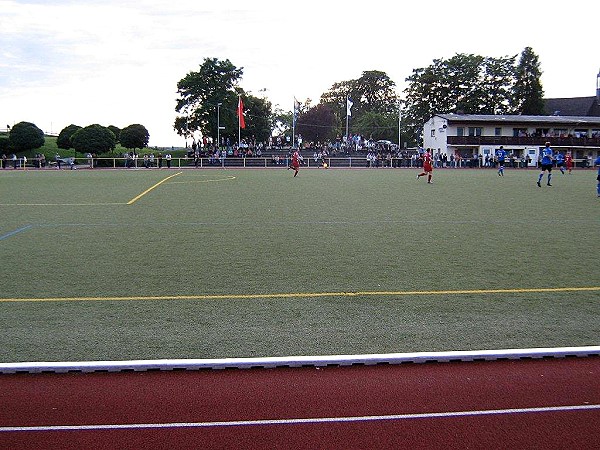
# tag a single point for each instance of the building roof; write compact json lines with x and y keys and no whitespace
{"x":575,"y":106}
{"x":516,"y":119}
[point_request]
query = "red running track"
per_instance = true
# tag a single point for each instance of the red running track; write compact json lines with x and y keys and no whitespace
{"x":366,"y":407}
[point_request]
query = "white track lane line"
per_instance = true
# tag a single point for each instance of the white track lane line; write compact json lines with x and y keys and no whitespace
{"x":316,"y":420}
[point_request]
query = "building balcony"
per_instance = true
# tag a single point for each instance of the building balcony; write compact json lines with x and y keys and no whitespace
{"x":532,"y":141}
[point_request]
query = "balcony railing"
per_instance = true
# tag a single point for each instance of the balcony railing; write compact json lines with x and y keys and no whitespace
{"x":533,"y":141}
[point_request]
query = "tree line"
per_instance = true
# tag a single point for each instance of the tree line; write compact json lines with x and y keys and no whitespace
{"x":464,"y":83}
{"x":207,"y":103}
{"x":95,"y":139}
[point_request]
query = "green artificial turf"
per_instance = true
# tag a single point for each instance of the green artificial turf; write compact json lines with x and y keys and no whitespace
{"x":237,"y":263}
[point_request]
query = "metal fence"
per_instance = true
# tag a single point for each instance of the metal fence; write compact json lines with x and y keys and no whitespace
{"x":353,"y":162}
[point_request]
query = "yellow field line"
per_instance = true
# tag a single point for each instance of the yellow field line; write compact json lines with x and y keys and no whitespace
{"x":308,"y":294}
{"x":135,"y":199}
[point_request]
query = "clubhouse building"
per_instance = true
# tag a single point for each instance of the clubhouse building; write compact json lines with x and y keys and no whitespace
{"x":574,"y":126}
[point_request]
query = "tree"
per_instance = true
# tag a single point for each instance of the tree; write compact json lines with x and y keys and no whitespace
{"x":465,"y":83}
{"x":134,"y":136}
{"x":204,"y":94}
{"x":116,"y":131}
{"x":496,"y":89}
{"x":373,"y":92}
{"x":25,"y":136}
{"x":94,"y":139}
{"x":258,"y":118}
{"x":377,"y":126}
{"x":528,"y":94}
{"x":318,"y":124}
{"x":4,"y":142}
{"x":335,"y":99}
{"x":64,"y":137}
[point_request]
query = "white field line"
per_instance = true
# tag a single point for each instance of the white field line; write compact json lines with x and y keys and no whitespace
{"x":311,"y":420}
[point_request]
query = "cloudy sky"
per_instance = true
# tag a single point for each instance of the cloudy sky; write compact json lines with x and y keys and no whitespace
{"x":118,"y":62}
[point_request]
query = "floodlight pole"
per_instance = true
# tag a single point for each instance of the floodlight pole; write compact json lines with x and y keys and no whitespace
{"x":399,"y":127}
{"x":219,"y":125}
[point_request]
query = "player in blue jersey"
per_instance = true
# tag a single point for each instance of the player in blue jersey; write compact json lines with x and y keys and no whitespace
{"x":501,"y":156}
{"x":597,"y":163}
{"x":560,"y":162}
{"x":546,"y":165}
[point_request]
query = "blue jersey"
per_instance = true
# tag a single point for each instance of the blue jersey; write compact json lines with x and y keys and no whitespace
{"x":501,"y":154}
{"x":560,"y":158}
{"x":597,"y":163}
{"x":547,"y":156}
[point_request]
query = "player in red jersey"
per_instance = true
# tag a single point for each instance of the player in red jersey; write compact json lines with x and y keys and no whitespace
{"x":296,"y":157}
{"x":427,"y":167}
{"x":569,"y":161}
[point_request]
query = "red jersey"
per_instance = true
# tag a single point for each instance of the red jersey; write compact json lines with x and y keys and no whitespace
{"x":295,"y":160}
{"x":427,"y":162}
{"x":569,"y":160}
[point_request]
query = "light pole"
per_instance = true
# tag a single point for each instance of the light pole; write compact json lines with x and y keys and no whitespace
{"x":219,"y":125}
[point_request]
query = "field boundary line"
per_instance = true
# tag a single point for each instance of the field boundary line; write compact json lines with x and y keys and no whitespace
{"x":304,"y":295}
{"x":272,"y":362}
{"x":135,"y":199}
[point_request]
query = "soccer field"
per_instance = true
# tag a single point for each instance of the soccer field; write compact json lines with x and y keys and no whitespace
{"x":149,"y":264}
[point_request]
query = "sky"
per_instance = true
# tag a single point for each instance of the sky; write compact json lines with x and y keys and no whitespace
{"x":118,"y":62}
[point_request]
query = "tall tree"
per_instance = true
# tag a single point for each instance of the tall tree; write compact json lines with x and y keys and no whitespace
{"x":335,"y":97}
{"x":208,"y":96}
{"x":318,"y":124}
{"x":497,"y":82}
{"x":376,"y":126}
{"x":465,"y":83}
{"x":373,"y":92}
{"x":528,"y":94}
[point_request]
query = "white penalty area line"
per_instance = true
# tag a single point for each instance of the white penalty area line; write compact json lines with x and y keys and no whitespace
{"x":300,"y":421}
{"x":210,"y":180}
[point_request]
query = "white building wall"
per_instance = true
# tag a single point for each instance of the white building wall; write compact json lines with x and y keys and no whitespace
{"x":434,"y":135}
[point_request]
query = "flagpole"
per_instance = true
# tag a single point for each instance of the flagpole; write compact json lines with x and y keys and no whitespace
{"x":239,"y":123}
{"x":294,"y":124}
{"x":399,"y":126}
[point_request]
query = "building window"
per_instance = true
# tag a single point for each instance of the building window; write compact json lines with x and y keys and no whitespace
{"x":498,"y":131}
{"x":460,"y":131}
{"x":475,"y":131}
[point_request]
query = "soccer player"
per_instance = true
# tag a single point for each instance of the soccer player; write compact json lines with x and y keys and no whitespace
{"x":597,"y":163}
{"x":296,"y":157}
{"x":427,"y":167}
{"x":501,"y":156}
{"x":546,"y":165}
{"x":569,"y":161}
{"x":560,"y":162}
